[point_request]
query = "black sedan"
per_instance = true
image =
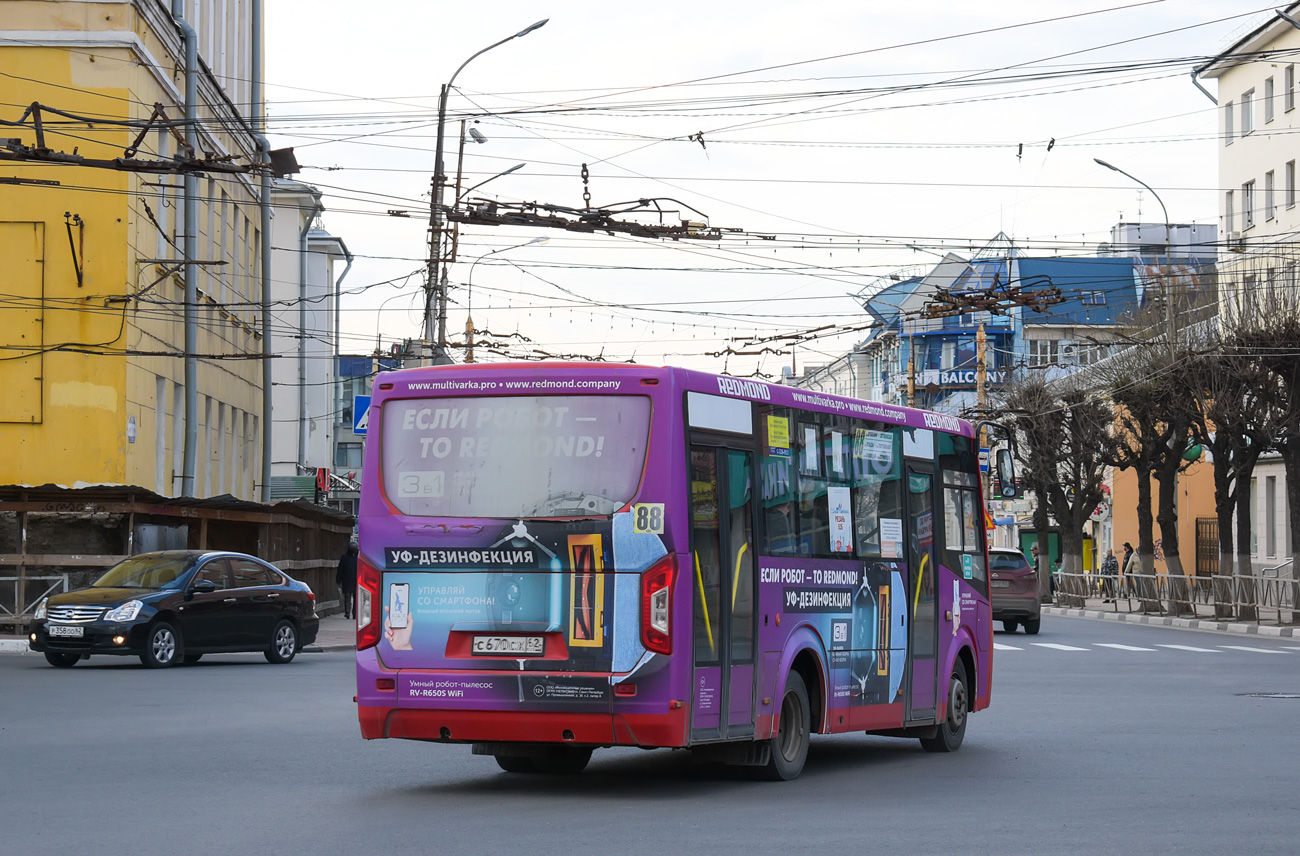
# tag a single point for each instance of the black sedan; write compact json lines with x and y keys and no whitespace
{"x":175,"y":606}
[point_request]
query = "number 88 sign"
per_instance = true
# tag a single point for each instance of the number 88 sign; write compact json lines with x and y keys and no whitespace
{"x":648,"y":518}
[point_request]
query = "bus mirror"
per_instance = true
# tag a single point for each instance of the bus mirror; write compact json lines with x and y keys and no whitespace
{"x":1006,"y":473}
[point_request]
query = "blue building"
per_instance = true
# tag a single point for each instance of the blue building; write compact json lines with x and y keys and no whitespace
{"x":1078,"y":310}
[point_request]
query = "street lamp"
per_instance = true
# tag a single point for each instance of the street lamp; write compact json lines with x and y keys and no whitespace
{"x":437,"y":216}
{"x":517,"y":166}
{"x":469,"y":291}
{"x":1164,"y":279}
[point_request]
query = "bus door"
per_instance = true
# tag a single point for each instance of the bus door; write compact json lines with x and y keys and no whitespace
{"x":722,"y":591}
{"x":922,"y":585}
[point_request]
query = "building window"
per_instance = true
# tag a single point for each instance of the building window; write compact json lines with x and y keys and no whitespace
{"x":1268,"y":100}
{"x":1248,"y":204}
{"x":348,"y":455}
{"x":1270,"y":210}
{"x":1094,"y":298}
{"x":1042,"y":353}
{"x":1289,"y":188}
{"x":1247,"y":112}
{"x":1227,"y":124}
{"x":1229,"y":216}
{"x":1288,"y":88}
{"x":1270,"y":516}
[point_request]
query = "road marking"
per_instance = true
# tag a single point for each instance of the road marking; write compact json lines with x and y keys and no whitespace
{"x":1057,"y":647}
{"x":1191,"y":648}
{"x":1122,"y":647}
{"x":998,"y":646}
{"x":1291,"y":647}
{"x":1254,"y":650}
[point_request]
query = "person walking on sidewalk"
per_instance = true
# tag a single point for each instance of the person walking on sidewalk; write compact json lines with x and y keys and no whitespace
{"x":1109,"y":571}
{"x":1129,"y":566}
{"x":347,"y":580}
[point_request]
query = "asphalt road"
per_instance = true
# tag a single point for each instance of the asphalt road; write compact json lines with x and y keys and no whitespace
{"x":1101,"y":750}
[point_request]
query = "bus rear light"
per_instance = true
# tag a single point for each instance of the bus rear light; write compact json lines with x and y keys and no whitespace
{"x":624,"y":689}
{"x":656,"y":605}
{"x":385,"y":684}
{"x":369,"y":623}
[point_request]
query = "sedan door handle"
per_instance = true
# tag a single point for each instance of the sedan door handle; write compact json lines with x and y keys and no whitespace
{"x":274,"y":594}
{"x":229,"y":600}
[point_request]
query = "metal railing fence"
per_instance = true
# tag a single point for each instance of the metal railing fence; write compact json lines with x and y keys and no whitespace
{"x":1242,"y":597}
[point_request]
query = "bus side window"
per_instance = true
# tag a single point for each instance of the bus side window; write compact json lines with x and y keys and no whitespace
{"x":776,"y":485}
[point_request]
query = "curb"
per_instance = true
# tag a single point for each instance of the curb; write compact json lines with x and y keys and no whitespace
{"x":13,"y":646}
{"x":1236,"y":628}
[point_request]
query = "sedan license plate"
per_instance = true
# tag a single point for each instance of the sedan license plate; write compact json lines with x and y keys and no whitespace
{"x":1001,"y":584}
{"x":507,"y":646}
{"x":65,"y":630}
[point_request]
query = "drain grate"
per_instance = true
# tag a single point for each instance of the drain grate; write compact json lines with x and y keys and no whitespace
{"x":1270,"y":695}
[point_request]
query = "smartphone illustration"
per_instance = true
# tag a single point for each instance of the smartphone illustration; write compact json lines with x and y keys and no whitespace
{"x":399,"y":599}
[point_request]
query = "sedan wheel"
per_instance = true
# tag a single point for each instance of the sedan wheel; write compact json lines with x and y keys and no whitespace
{"x":284,"y":643}
{"x":61,"y":661}
{"x":162,"y":647}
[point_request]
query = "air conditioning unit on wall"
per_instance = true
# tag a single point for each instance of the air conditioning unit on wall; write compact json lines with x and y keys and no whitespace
{"x":1236,"y":243}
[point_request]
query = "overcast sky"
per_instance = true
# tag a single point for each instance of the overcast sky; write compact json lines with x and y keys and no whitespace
{"x":844,"y":141}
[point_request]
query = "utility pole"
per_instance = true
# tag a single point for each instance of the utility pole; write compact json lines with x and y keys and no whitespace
{"x":435,"y":300}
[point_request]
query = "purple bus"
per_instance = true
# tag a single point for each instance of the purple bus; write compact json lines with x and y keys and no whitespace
{"x":560,"y":557}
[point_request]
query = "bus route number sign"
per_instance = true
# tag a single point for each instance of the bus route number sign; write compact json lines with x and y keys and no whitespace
{"x":648,"y":518}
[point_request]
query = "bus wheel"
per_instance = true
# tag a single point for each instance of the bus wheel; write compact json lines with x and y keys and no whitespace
{"x":516,"y":764}
{"x":953,"y":727}
{"x":790,"y":745}
{"x":562,"y":761}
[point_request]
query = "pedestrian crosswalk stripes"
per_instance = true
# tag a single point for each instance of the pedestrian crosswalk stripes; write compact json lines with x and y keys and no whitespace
{"x":1116,"y":646}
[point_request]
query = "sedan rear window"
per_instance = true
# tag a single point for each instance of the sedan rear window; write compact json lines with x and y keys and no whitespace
{"x":1008,"y":562}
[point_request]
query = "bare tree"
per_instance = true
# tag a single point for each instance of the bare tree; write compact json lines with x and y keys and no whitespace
{"x":1236,"y":421}
{"x":1152,"y":426}
{"x":1065,"y":443}
{"x":1269,"y":335}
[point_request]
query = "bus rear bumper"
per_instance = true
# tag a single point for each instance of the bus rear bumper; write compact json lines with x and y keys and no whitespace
{"x":488,"y":726}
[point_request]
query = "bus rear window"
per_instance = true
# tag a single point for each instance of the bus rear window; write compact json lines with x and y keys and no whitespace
{"x":517,"y":456}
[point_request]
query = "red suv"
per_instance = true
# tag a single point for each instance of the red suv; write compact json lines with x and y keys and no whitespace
{"x":1014,"y":589}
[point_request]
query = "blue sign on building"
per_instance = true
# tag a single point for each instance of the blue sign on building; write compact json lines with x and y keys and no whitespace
{"x":360,"y":413}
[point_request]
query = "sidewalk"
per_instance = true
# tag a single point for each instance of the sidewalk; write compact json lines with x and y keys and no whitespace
{"x":336,"y":634}
{"x":1096,"y":608}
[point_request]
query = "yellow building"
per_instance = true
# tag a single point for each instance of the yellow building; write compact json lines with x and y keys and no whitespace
{"x":92,"y":357}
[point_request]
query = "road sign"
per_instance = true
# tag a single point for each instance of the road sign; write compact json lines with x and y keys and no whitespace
{"x":360,"y":414}
{"x":984,"y":460}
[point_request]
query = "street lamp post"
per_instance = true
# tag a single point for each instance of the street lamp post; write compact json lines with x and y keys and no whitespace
{"x":469,"y":291}
{"x":436,"y":287}
{"x":1164,"y":277}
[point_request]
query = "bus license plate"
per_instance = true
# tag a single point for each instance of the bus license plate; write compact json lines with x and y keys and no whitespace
{"x":1001,"y":584}
{"x":64,"y":630}
{"x":507,"y":646}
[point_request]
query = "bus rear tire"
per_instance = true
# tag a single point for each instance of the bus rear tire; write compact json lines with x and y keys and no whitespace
{"x":562,"y":760}
{"x":790,"y":745}
{"x":953,"y":728}
{"x":516,"y":764}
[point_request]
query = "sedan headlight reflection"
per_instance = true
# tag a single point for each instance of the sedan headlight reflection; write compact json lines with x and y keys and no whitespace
{"x":126,"y":612}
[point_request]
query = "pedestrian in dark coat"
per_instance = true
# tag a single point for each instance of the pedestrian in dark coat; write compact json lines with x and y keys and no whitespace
{"x":347,"y":581}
